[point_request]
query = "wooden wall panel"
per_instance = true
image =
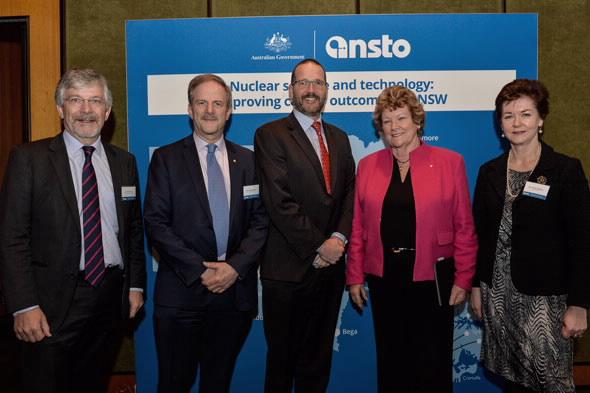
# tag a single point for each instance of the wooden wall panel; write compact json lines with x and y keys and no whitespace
{"x":44,"y":58}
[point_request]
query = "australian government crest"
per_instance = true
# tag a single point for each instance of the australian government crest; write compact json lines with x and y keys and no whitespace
{"x":278,"y":43}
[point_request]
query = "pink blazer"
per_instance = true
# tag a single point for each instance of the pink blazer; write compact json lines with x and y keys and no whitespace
{"x":444,"y":222}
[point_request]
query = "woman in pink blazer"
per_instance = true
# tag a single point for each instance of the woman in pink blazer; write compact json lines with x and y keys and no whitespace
{"x":412,"y":210}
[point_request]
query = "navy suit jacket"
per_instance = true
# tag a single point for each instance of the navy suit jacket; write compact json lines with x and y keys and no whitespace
{"x":179,"y":225}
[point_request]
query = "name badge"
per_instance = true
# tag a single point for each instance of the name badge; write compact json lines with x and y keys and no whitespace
{"x":536,"y":190}
{"x":251,"y":191}
{"x":128,"y":193}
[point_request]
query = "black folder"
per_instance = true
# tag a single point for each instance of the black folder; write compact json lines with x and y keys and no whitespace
{"x":444,"y":277}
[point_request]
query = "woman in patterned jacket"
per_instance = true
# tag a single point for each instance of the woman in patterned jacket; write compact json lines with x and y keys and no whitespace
{"x":532,"y":216}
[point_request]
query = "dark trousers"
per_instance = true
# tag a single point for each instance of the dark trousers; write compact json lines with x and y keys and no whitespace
{"x":413,"y":334}
{"x":299,"y":325}
{"x":188,"y":340}
{"x":79,"y":355}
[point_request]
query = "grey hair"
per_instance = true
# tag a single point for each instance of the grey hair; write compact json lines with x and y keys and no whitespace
{"x":77,"y":78}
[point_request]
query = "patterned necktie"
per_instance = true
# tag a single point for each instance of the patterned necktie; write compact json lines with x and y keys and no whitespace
{"x":93,"y":253}
{"x":325,"y":156}
{"x":217,"y":200}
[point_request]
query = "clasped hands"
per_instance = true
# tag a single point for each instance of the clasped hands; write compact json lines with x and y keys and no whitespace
{"x":218,"y":276}
{"x":329,"y":252}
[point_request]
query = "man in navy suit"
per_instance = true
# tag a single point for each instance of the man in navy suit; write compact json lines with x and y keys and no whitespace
{"x":204,"y":218}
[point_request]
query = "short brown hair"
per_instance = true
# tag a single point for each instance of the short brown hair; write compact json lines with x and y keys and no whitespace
{"x":200,"y":79}
{"x":396,"y":97}
{"x":531,"y":88}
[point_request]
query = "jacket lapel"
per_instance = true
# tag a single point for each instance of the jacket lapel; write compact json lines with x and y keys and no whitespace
{"x":117,"y":178}
{"x":303,"y":141}
{"x":545,"y":167}
{"x":498,"y":175}
{"x":60,"y":161}
{"x":193,"y":166}
{"x":333,"y":154}
{"x":236,"y":182}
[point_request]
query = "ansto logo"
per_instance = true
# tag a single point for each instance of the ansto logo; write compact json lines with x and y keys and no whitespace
{"x":339,"y":47}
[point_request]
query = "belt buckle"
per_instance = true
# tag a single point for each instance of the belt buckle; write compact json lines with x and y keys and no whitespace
{"x":396,"y":250}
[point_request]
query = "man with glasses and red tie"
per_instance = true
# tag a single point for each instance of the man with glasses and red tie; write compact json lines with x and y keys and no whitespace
{"x":306,"y":172}
{"x":71,"y":244}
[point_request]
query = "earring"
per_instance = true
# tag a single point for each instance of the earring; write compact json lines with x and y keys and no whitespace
{"x":540,"y":129}
{"x":503,"y":136}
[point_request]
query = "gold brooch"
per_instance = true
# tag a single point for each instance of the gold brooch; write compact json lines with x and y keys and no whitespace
{"x":542,"y":180}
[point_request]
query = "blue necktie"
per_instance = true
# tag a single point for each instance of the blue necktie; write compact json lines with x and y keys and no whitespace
{"x":217,"y":200}
{"x":93,"y":253}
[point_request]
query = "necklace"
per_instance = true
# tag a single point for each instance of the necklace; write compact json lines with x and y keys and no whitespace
{"x":402,"y":162}
{"x":509,"y":182}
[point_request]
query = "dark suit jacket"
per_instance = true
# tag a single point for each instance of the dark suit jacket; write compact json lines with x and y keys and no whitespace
{"x":550,"y":238}
{"x":303,"y":215}
{"x":180,"y":228}
{"x":40,"y":235}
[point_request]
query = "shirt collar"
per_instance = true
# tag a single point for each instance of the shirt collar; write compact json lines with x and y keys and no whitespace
{"x":74,"y":146}
{"x":305,"y":121}
{"x":202,"y":144}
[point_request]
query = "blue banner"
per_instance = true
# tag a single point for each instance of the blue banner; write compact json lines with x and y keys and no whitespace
{"x":456,"y":64}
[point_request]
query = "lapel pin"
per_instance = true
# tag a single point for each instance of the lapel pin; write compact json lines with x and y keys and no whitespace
{"x":542,"y":180}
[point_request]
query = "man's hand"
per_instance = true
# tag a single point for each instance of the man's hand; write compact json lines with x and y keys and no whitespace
{"x":219,"y":276}
{"x":135,"y":302}
{"x":332,"y":250}
{"x":31,"y":326}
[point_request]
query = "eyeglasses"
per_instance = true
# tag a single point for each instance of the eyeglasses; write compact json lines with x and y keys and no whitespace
{"x":78,"y":101}
{"x":306,"y":83}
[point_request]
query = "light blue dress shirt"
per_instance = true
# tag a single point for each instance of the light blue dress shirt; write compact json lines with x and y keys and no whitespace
{"x":106,"y":194}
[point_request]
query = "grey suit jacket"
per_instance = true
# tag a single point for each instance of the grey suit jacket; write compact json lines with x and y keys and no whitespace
{"x":40,"y":235}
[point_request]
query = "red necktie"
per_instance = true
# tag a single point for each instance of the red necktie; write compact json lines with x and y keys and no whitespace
{"x":325,"y":156}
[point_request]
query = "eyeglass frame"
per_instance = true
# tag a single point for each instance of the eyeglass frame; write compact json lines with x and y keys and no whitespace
{"x":304,"y":83}
{"x":78,"y":101}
